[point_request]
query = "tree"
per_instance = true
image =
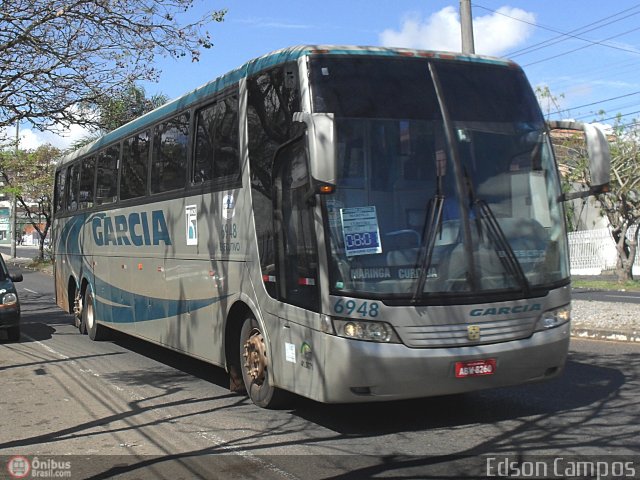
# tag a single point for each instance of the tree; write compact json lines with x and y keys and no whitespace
{"x":130,"y":104}
{"x":621,"y":205}
{"x":547,"y":100}
{"x":113,"y":112}
{"x":58,"y":56}
{"x":29,"y":176}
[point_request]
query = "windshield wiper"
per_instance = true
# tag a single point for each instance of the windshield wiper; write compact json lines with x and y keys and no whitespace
{"x":429,"y":233}
{"x":508,"y":257}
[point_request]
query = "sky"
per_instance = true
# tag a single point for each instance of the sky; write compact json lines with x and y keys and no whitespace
{"x":586,"y":52}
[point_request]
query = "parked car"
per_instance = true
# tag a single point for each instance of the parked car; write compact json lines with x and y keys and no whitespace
{"x":9,"y":302}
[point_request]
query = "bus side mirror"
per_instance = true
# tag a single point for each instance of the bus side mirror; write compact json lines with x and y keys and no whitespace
{"x":599,"y":156}
{"x":321,"y":133}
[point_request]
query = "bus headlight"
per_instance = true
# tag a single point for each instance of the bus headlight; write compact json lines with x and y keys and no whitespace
{"x":364,"y":330}
{"x":9,"y":299}
{"x":554,"y":318}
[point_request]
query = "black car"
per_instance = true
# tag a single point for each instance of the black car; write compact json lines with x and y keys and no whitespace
{"x":9,"y":303}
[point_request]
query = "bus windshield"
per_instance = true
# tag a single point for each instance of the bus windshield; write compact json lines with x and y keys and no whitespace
{"x":446,"y":181}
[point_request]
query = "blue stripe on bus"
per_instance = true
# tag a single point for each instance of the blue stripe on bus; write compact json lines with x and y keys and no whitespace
{"x":109,"y":307}
{"x":145,"y":308}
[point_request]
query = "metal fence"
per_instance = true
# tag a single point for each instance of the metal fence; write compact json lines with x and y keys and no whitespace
{"x":594,"y":252}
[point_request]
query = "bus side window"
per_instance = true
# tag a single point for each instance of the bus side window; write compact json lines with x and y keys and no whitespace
{"x":135,"y":163}
{"x":87,"y":180}
{"x":217,"y":156}
{"x":107,"y":175}
{"x":169,"y":157}
{"x":61,"y":176}
{"x":73,"y":183}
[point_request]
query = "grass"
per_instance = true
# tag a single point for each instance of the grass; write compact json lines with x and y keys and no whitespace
{"x":37,"y":264}
{"x":600,"y":284}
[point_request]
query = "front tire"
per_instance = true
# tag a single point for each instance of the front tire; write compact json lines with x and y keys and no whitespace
{"x":256,"y":367}
{"x":89,"y":324}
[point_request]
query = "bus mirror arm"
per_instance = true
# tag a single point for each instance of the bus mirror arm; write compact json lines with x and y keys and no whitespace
{"x":594,"y":190}
{"x":599,"y":157}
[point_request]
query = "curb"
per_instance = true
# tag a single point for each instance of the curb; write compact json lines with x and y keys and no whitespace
{"x":608,"y":335}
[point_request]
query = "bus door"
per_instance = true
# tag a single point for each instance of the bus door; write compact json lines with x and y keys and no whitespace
{"x":296,"y":250}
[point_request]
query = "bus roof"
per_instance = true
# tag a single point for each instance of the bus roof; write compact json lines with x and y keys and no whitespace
{"x":257,"y":65}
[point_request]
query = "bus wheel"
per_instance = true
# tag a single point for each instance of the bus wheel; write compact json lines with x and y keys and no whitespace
{"x":77,"y":312}
{"x":89,"y":324}
{"x":255,"y":367}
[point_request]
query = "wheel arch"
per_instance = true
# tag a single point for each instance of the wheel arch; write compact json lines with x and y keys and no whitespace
{"x":72,"y":290}
{"x":238,"y":312}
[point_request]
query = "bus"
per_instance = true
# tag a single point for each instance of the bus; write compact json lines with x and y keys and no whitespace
{"x":347,"y":224}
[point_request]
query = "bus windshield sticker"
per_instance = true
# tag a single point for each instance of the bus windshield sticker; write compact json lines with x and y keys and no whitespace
{"x":360,"y":231}
{"x":191,"y":216}
{"x":333,"y":212}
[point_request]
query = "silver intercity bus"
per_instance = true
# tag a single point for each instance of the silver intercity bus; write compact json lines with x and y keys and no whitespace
{"x":348,"y":224}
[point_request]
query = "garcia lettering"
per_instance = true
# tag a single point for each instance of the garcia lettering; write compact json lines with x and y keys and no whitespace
{"x":480,"y":312}
{"x":133,"y":229}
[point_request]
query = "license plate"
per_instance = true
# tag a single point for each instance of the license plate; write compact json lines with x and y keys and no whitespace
{"x":475,"y":368}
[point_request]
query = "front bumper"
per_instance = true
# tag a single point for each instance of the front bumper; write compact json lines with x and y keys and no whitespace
{"x":362,"y":371}
{"x":9,"y":317}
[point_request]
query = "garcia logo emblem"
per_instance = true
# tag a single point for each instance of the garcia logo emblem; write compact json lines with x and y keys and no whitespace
{"x":473,"y":332}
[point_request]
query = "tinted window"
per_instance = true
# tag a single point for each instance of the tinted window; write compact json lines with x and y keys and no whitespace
{"x":488,"y":94}
{"x":87,"y":179}
{"x":373,"y":87}
{"x":135,"y":163}
{"x":169,"y":161}
{"x":73,"y":174}
{"x":216,"y":156}
{"x":107,"y":181}
{"x":273,"y":98}
{"x":61,"y":177}
{"x":403,"y":88}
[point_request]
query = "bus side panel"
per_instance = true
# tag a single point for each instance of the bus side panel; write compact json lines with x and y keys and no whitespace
{"x":192,"y":306}
{"x":61,"y":265}
{"x":69,"y":258}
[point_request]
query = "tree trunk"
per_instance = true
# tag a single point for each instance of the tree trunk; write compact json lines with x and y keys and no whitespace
{"x":626,"y":253}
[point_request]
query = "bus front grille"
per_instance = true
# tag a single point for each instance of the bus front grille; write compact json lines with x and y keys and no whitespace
{"x":457,"y":335}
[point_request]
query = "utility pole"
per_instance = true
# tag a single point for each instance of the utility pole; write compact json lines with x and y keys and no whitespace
{"x":466,"y":27}
{"x":14,"y":217}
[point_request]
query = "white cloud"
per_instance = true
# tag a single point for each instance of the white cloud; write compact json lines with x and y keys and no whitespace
{"x":494,"y":34}
{"x":31,"y":138}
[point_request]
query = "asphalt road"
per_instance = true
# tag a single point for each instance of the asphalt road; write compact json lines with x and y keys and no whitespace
{"x":128,"y":408}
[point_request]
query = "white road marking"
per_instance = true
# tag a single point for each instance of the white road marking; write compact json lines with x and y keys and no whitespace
{"x":211,"y":437}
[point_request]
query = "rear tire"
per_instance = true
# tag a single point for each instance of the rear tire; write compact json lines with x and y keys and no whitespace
{"x":256,"y":367}
{"x":89,"y":324}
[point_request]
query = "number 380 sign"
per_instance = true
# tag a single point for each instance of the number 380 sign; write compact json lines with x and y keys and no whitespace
{"x":360,"y":231}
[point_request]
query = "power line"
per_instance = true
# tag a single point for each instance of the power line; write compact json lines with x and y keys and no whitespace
{"x":591,"y":42}
{"x":569,"y":34}
{"x":611,"y":118}
{"x":587,"y":46}
{"x":595,"y":103}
